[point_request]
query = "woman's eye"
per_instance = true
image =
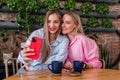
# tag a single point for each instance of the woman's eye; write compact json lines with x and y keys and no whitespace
{"x":56,"y":21}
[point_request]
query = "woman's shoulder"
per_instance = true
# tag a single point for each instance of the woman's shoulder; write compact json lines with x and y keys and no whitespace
{"x":38,"y":33}
{"x":62,"y":38}
{"x":84,"y":38}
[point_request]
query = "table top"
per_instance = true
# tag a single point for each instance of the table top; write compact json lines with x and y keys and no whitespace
{"x":90,"y":74}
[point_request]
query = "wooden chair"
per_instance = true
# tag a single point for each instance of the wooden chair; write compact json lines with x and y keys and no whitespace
{"x":14,"y":64}
{"x":119,"y":66}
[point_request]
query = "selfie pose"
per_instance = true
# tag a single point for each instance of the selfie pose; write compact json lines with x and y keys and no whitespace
{"x":54,"y":46}
{"x":81,"y":48}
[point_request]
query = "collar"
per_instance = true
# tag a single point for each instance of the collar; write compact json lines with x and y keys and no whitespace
{"x":57,"y":41}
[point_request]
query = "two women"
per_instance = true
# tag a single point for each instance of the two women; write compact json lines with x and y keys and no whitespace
{"x":54,"y":46}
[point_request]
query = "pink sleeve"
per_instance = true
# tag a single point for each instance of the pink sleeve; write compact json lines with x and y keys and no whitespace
{"x":91,"y":53}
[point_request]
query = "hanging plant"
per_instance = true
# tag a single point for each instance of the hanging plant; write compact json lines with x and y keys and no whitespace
{"x":15,"y":4}
{"x":70,"y":5}
{"x":33,"y":5}
{"x":86,"y":7}
{"x":52,"y":4}
{"x":102,"y":8}
{"x":40,"y":19}
{"x":92,"y":22}
{"x":106,"y":23}
{"x":24,"y":20}
{"x":1,"y":2}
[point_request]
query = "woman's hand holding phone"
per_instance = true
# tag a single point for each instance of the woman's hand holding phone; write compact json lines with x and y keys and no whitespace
{"x":27,"y":52}
{"x":32,"y":51}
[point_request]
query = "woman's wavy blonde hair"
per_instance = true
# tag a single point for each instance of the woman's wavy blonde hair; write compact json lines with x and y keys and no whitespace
{"x":46,"y":42}
{"x":77,"y":21}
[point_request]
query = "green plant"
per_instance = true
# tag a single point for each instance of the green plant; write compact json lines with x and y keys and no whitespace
{"x":25,"y":8}
{"x":15,"y":4}
{"x":104,"y":54}
{"x":102,"y":8}
{"x":92,"y":22}
{"x":106,"y":23}
{"x":33,"y":5}
{"x":40,"y":20}
{"x":86,"y":7}
{"x":52,"y":4}
{"x":1,"y":2}
{"x":24,"y":20}
{"x":70,"y":5}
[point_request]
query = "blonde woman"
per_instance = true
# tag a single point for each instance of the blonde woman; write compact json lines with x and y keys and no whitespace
{"x":54,"y":46}
{"x":81,"y":48}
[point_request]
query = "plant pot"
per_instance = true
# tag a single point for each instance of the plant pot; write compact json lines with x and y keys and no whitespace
{"x":102,"y":29}
{"x":42,"y":11}
{"x":112,"y":15}
{"x":100,"y":1}
{"x":4,"y":8}
{"x":37,"y":26}
{"x":7,"y":55}
{"x":62,"y":10}
{"x":9,"y":25}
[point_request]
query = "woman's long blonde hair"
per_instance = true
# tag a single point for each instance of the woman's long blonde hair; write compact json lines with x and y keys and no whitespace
{"x":77,"y":21}
{"x":46,"y":42}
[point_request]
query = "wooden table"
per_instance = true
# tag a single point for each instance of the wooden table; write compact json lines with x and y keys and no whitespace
{"x":90,"y":74}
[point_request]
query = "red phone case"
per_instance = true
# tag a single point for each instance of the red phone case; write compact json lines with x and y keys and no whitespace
{"x":35,"y":44}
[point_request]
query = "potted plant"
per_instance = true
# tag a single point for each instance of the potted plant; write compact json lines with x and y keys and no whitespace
{"x":104,"y":54}
{"x":102,"y":8}
{"x":1,"y":2}
{"x":92,"y":22}
{"x":15,"y":4}
{"x":39,"y":21}
{"x":86,"y":7}
{"x":70,"y":5}
{"x":52,"y":4}
{"x":25,"y":21}
{"x":33,"y":5}
{"x":106,"y":23}
{"x":9,"y":24}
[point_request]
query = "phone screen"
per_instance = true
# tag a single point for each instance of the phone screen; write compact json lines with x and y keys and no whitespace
{"x":36,"y":44}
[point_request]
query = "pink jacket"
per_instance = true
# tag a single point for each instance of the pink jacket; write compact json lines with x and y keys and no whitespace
{"x":84,"y":49}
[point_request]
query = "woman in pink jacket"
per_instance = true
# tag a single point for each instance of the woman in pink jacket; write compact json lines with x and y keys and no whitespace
{"x":81,"y":47}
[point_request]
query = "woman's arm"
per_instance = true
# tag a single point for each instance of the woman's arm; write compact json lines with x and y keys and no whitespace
{"x":23,"y":54}
{"x":91,"y":52}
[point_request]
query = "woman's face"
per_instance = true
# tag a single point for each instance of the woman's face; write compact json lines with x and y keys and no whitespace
{"x":68,"y":25}
{"x":53,"y":23}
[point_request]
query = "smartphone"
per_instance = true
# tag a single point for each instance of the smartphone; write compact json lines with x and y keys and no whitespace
{"x":36,"y":44}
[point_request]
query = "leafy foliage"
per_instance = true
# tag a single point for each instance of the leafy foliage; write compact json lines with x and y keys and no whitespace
{"x":92,"y":22}
{"x":104,"y":54}
{"x":52,"y":4}
{"x":106,"y":23}
{"x":102,"y":8}
{"x":33,"y":5}
{"x":24,"y":20}
{"x":86,"y":7}
{"x":15,"y":4}
{"x":1,"y":2}
{"x":40,"y":19}
{"x":70,"y":5}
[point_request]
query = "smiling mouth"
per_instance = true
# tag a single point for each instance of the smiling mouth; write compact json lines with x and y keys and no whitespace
{"x":52,"y":29}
